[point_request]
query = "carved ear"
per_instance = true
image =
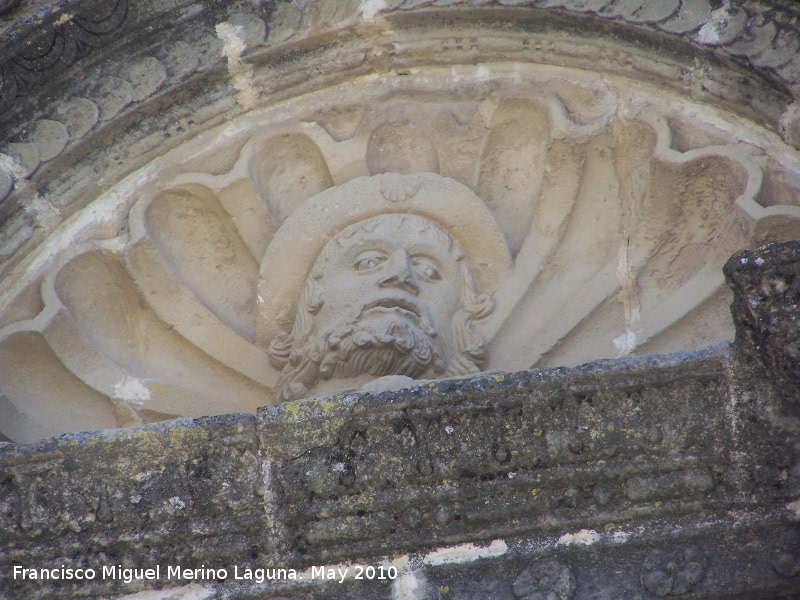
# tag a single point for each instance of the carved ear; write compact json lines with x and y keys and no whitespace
{"x":287,"y":170}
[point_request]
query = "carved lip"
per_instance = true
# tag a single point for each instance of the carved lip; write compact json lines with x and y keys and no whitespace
{"x":395,"y":304}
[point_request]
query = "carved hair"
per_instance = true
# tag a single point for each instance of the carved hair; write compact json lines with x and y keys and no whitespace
{"x":299,"y":357}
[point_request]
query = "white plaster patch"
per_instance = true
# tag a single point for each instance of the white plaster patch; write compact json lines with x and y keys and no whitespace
{"x":401,"y":563}
{"x":465,"y":553}
{"x":626,"y":343}
{"x":585,"y":537}
{"x":483,"y":73}
{"x":45,"y":214}
{"x":369,"y":9}
{"x":12,"y":165}
{"x":132,"y":390}
{"x":188,"y":592}
{"x":411,"y":585}
{"x":710,"y":32}
{"x":232,"y":37}
{"x":620,"y":537}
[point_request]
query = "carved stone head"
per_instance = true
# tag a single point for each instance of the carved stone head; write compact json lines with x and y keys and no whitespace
{"x":391,"y":294}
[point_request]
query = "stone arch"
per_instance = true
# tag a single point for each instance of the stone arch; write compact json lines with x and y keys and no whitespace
{"x":550,"y":111}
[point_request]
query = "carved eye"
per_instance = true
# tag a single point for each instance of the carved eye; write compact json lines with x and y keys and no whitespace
{"x":426,"y":268}
{"x":366,"y":261}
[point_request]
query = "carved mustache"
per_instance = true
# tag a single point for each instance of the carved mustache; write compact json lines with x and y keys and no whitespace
{"x":393,"y":303}
{"x":404,"y":306}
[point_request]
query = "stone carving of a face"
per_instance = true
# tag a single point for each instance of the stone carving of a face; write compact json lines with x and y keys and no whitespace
{"x":391,"y":295}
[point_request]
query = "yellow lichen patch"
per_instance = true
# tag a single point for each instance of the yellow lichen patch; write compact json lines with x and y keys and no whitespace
{"x":500,"y":377}
{"x":183,"y":433}
{"x":293,"y":408}
{"x":534,"y":492}
{"x":537,"y":432}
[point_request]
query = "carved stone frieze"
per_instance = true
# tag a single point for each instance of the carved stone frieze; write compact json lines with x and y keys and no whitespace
{"x":550,"y":457}
{"x":673,"y":571}
{"x":55,"y":46}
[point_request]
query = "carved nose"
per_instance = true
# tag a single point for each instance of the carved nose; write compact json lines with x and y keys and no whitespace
{"x":399,"y":273}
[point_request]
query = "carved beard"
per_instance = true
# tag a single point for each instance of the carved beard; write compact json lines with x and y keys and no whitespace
{"x":386,"y":343}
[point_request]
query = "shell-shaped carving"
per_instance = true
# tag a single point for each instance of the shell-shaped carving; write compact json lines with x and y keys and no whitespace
{"x":513,"y":163}
{"x":199,"y":241}
{"x":29,"y":371}
{"x":598,"y":228}
{"x":400,"y":148}
{"x":287,"y":170}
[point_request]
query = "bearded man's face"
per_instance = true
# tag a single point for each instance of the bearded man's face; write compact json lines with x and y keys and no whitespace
{"x":386,"y":296}
{"x":389,"y":290}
